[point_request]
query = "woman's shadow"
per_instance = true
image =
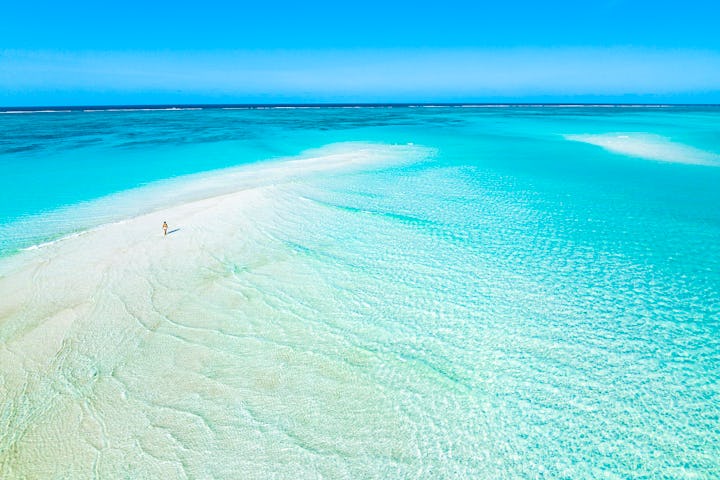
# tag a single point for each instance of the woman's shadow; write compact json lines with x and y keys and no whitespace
{"x":173,"y":231}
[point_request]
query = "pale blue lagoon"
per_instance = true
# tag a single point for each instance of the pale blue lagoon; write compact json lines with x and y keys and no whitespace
{"x":386,"y":292}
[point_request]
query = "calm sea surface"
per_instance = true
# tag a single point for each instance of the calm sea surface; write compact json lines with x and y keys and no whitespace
{"x":539,"y":297}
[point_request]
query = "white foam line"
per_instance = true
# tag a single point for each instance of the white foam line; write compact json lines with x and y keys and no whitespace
{"x":58,"y":240}
{"x":172,"y":109}
{"x":36,"y":111}
{"x":281,"y":107}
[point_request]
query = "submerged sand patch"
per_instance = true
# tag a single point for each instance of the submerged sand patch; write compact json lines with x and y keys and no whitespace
{"x":649,"y":146}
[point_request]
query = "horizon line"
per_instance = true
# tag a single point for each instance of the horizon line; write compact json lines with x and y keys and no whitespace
{"x":250,"y":106}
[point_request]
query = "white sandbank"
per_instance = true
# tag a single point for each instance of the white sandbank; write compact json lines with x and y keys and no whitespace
{"x":105,"y":337}
{"x":649,"y":146}
{"x":83,"y":217}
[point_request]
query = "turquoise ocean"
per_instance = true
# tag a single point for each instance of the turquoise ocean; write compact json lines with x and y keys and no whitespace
{"x":537,"y":295}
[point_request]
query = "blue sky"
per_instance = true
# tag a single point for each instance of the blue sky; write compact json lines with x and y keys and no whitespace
{"x":62,"y":53}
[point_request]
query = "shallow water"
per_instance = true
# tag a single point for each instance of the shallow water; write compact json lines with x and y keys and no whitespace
{"x":510,"y":297}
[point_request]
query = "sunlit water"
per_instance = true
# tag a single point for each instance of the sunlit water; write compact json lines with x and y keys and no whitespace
{"x":535,"y":294}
